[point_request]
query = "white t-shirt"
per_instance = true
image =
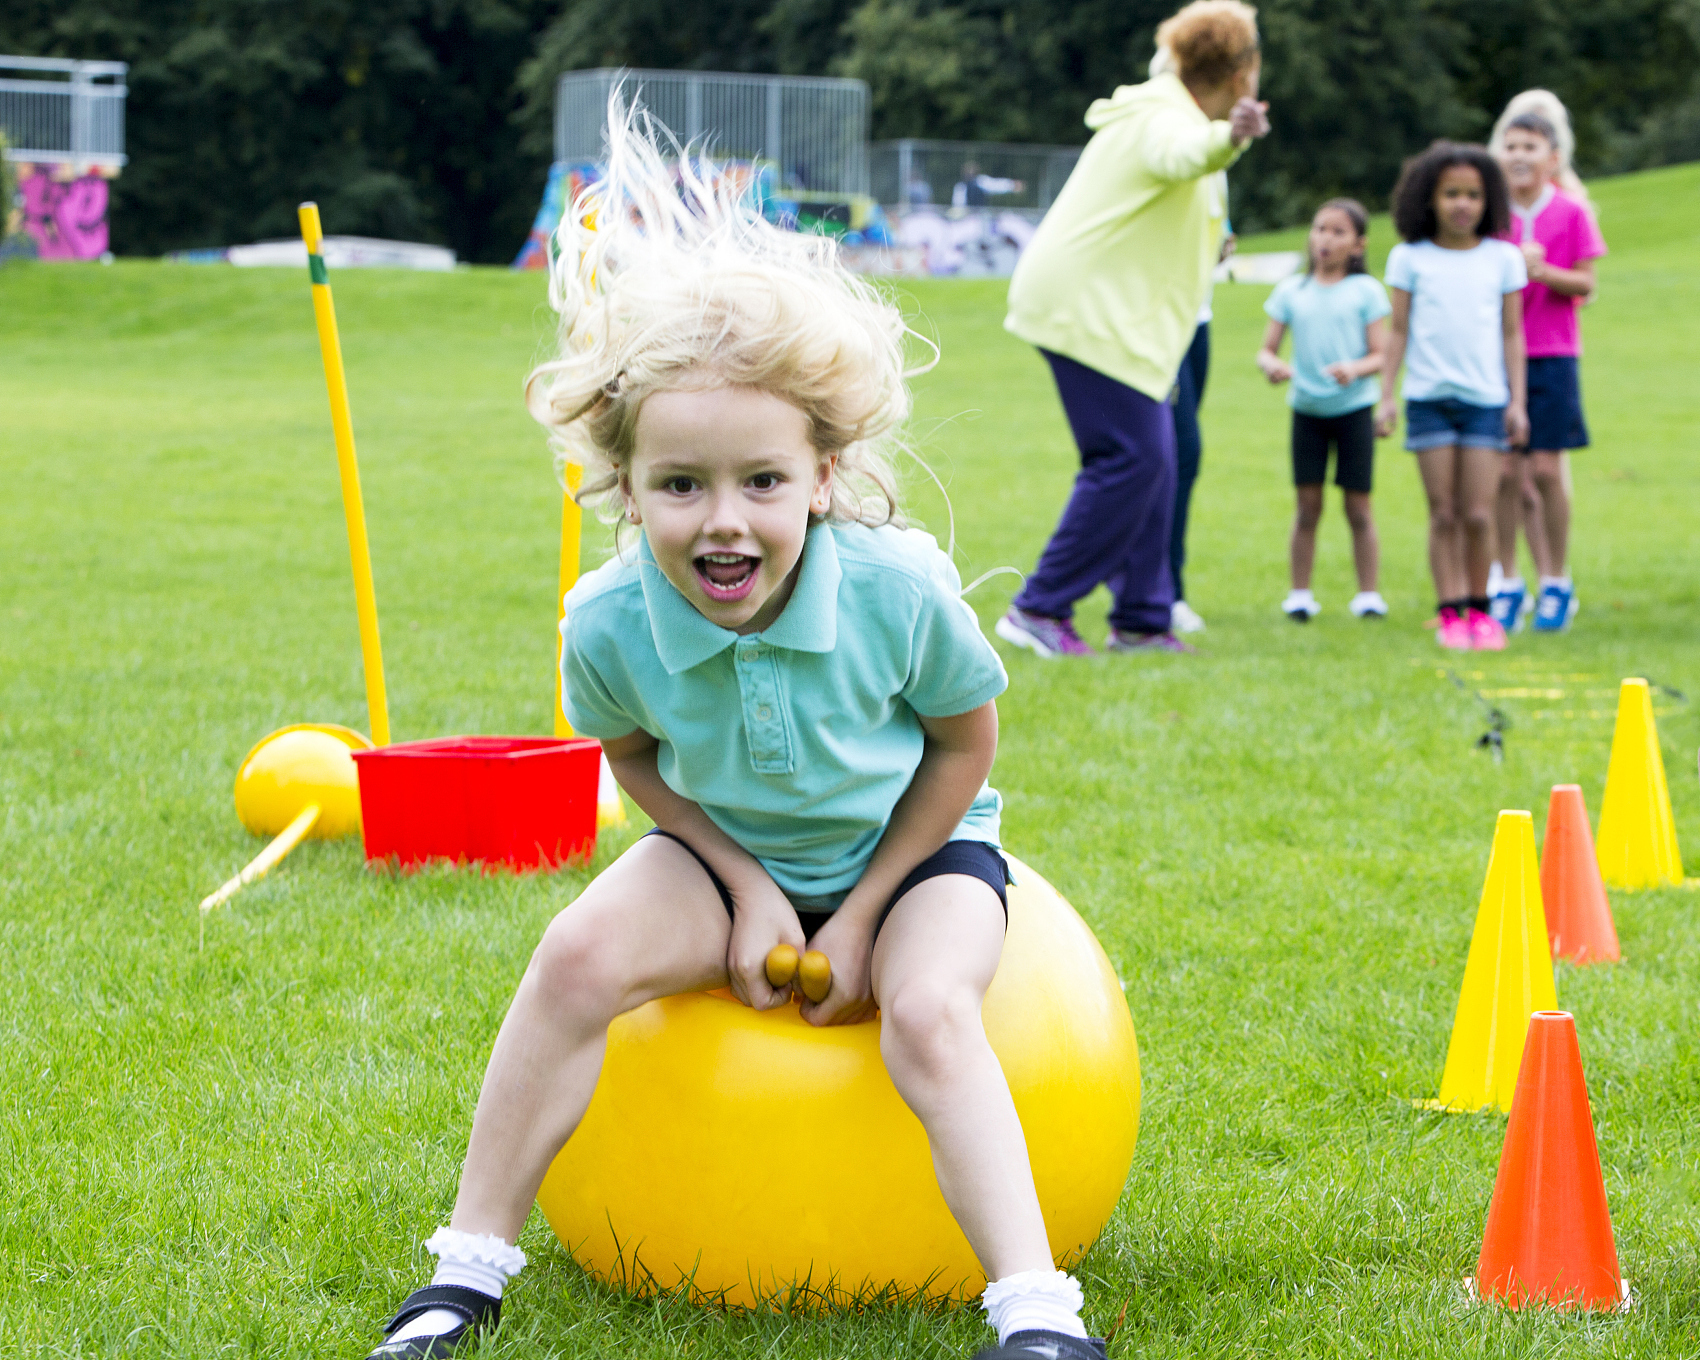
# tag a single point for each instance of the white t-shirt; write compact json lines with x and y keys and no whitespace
{"x":1456,"y":347}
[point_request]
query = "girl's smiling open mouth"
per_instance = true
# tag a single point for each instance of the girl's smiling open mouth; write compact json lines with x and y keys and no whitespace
{"x":727,"y":577}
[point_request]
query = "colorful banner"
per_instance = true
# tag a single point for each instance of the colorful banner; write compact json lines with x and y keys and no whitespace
{"x":65,"y":212}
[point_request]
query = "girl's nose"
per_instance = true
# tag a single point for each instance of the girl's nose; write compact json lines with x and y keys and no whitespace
{"x":725,"y":517}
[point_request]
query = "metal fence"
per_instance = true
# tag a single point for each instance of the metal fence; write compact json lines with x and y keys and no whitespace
{"x":814,"y":128}
{"x":913,"y":173}
{"x":63,"y":114}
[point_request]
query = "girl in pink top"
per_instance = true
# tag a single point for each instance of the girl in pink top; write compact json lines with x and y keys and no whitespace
{"x":1560,"y":243}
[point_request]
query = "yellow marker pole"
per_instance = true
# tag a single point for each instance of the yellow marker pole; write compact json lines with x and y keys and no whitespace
{"x":263,"y":863}
{"x":354,"y":510}
{"x":572,"y":525}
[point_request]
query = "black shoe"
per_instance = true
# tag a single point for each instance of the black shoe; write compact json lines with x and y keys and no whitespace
{"x":478,"y":1311}
{"x":1047,"y":1346}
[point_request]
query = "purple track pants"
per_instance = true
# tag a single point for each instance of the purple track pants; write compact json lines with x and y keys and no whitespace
{"x":1115,"y":528}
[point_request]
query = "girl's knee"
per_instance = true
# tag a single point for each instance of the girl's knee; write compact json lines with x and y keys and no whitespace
{"x":574,"y":967}
{"x":927,"y":1026}
{"x":1441,"y":520}
{"x":1478,"y":520}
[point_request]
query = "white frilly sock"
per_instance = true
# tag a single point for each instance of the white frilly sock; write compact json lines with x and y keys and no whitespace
{"x":478,"y":1261}
{"x":1034,"y":1300}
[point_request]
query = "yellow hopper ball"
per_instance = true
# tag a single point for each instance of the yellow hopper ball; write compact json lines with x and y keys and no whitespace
{"x":295,"y":766}
{"x":747,"y":1151}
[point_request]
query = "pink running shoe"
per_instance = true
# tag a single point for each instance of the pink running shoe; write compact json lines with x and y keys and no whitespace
{"x":1454,"y":632}
{"x":1487,"y":634}
{"x":1035,"y":632}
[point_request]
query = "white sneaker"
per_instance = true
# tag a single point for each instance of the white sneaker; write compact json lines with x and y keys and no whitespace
{"x":1368,"y":604}
{"x":1183,"y":618}
{"x":1300,"y":606}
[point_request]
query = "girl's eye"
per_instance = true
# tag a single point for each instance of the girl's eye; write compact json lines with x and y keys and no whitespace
{"x":680,"y":486}
{"x":764,"y":481}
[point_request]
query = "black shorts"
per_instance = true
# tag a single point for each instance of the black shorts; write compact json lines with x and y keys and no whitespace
{"x":1555,"y":405}
{"x":1353,"y":438}
{"x":977,"y":859}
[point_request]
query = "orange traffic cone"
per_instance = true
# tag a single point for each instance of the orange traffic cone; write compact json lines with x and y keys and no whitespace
{"x":1548,"y":1236}
{"x":1579,"y":923}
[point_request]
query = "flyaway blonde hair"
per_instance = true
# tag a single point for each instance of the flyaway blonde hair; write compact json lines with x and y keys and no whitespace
{"x":666,"y":278}
{"x":1550,"y":107}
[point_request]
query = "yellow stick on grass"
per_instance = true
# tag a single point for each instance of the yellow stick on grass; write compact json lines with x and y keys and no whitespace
{"x":336,"y":383}
{"x":263,"y":863}
{"x":572,"y":520}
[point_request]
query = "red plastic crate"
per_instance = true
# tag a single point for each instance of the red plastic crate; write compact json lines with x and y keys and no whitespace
{"x":526,"y":802}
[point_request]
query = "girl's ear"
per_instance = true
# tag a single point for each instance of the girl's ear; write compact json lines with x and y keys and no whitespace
{"x":820,"y":498}
{"x":632,"y":515}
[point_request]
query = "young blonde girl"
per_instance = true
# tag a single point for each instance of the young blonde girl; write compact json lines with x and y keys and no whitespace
{"x":1553,"y":226}
{"x":788,"y":682}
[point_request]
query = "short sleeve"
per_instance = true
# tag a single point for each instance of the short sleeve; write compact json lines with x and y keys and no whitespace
{"x":1590,"y":245}
{"x":587,"y":701}
{"x":1373,"y":299}
{"x":1279,"y":305}
{"x":1400,"y":273}
{"x":953,"y":669}
{"x":1516,"y":276}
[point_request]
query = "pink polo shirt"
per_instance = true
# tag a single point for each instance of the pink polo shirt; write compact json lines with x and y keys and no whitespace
{"x":1567,"y":229}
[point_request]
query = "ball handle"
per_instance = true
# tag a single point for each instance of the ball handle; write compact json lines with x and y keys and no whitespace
{"x":813,"y":971}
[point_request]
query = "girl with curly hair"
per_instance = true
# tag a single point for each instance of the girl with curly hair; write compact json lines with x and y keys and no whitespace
{"x":1457,"y":323}
{"x":787,"y":681}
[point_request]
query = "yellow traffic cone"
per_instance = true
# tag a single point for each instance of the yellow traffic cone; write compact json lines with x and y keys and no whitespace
{"x":1507,"y":978}
{"x":1637,"y":840}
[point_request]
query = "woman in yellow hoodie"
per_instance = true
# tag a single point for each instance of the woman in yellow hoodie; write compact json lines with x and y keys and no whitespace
{"x":1109,"y":290}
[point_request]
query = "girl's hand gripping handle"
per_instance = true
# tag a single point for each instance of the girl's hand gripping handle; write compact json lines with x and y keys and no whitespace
{"x":812,"y":972}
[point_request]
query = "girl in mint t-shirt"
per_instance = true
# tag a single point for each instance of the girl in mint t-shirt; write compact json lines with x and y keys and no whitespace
{"x":1458,"y":320}
{"x":1337,"y":315}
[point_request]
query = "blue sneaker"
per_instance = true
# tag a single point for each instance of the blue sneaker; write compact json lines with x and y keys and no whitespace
{"x":1507,"y":604}
{"x":1556,"y":608}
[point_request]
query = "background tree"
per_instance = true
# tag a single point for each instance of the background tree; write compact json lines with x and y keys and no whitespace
{"x":432,"y":119}
{"x":396,"y":115}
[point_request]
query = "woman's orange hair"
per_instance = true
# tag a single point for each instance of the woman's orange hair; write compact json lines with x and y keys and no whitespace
{"x":1212,"y":40}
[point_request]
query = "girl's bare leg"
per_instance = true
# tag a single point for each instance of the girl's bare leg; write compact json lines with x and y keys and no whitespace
{"x":1549,"y":476}
{"x":650,"y":925}
{"x":1439,"y":469}
{"x":1478,"y":484}
{"x":1366,"y":546}
{"x":932,"y":965}
{"x":1301,"y":551}
{"x":1509,"y":511}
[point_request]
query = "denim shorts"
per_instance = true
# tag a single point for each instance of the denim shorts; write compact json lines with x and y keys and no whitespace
{"x":1433,"y":424}
{"x":1555,"y":404}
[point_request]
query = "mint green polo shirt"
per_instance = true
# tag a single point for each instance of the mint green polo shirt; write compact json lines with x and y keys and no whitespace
{"x":797,"y":741}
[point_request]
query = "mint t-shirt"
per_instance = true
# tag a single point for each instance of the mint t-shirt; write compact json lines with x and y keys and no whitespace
{"x":797,"y":741}
{"x":1329,"y":322}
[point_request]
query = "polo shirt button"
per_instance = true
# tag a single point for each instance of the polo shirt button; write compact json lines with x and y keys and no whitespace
{"x":764,"y":713}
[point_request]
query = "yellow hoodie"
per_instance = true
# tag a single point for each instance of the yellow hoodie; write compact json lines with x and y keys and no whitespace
{"x":1116,"y":274}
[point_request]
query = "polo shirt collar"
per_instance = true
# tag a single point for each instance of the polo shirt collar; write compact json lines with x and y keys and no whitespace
{"x":809,"y":623}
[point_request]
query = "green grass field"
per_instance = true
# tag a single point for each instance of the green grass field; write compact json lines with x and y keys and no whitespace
{"x":233,"y":1145}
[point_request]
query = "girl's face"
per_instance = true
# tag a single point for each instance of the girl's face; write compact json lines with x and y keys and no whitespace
{"x":723,"y":481}
{"x":1459,"y":200}
{"x":1530,"y":160}
{"x":1333,"y":240}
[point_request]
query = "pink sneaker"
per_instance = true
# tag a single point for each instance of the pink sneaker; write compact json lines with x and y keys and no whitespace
{"x":1047,"y":637}
{"x":1454,"y":633}
{"x":1487,"y":634}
